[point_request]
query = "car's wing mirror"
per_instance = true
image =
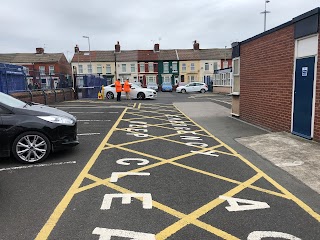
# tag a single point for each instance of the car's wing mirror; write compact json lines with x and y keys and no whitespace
{"x":133,"y":88}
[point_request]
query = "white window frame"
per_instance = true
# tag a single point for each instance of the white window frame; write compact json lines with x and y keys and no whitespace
{"x":42,"y":70}
{"x":236,"y":68}
{"x":124,"y":67}
{"x":133,"y":67}
{"x":27,"y":71}
{"x":206,"y":67}
{"x":51,"y":70}
{"x":183,"y":67}
{"x":215,"y":66}
{"x":151,"y":79}
{"x":142,"y":66}
{"x":166,"y":78}
{"x":174,"y":66}
{"x":99,"y":68}
{"x":192,"y":78}
{"x":80,"y":69}
{"x":192,"y":67}
{"x":108,"y":67}
{"x":166,"y":67}
{"x":150,"y":67}
{"x":89,"y":66}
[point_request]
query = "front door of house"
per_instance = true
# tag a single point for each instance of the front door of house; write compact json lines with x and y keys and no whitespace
{"x":303,"y":97}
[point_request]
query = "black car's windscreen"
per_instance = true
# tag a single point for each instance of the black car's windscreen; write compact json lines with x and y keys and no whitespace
{"x":11,"y":101}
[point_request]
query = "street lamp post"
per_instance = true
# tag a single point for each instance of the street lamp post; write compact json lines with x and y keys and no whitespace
{"x":265,"y":14}
{"x":89,"y":51}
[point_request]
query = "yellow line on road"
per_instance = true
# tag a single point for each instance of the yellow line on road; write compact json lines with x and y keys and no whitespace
{"x":300,"y":203}
{"x":204,"y":209}
{"x":57,"y":213}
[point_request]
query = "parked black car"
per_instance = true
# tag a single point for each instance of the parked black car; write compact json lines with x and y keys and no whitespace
{"x":31,"y":131}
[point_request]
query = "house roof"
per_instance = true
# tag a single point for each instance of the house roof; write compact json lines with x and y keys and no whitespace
{"x":204,"y":54}
{"x":105,"y":56}
{"x":30,"y":57}
{"x":150,"y":55}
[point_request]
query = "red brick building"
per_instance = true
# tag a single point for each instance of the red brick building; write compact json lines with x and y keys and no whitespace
{"x":50,"y":70}
{"x":277,"y":77}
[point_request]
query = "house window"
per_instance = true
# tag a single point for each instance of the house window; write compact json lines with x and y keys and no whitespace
{"x":42,"y":70}
{"x":184,"y":67}
{"x":166,"y":79}
{"x":26,"y":71}
{"x":192,"y":67}
{"x":51,"y":70}
{"x":228,"y":79}
{"x":89,"y":68}
{"x":206,"y":66}
{"x":80,"y":69}
{"x":133,"y":67}
{"x":142,"y":69}
{"x":151,"y":79}
{"x":174,"y":67}
{"x":236,"y":67}
{"x":192,"y":78}
{"x":225,"y":64}
{"x":124,"y":68}
{"x":150,"y":66}
{"x":215,"y":66}
{"x":108,"y":68}
{"x":165,"y":67}
{"x":99,"y":68}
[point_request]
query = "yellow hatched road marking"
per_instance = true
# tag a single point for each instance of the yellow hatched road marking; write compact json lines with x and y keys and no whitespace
{"x":273,"y":182}
{"x":186,"y":219}
{"x":55,"y":216}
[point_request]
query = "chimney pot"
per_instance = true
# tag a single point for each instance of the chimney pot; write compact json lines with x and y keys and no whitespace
{"x":157,"y":47}
{"x":117,"y":47}
{"x":196,"y":45}
{"x":76,"y":49}
{"x":39,"y":50}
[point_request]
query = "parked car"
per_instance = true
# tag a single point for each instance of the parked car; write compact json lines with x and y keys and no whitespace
{"x":193,"y":87}
{"x":166,"y":87}
{"x":136,"y":92}
{"x":30,"y":131}
{"x":153,"y":86}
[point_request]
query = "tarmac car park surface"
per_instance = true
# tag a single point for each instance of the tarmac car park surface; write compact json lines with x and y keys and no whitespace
{"x":145,"y":170}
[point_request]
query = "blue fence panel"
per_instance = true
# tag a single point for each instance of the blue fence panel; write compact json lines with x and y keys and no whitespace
{"x":12,"y":78}
{"x":92,"y":85}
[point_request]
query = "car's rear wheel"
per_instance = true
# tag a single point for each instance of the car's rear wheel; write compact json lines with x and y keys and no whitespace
{"x":31,"y":147}
{"x":109,"y":95}
{"x":141,"y":96}
{"x":183,"y":91}
{"x":202,"y":90}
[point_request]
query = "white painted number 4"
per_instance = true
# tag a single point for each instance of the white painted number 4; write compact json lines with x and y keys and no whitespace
{"x":248,"y":204}
{"x":106,"y":234}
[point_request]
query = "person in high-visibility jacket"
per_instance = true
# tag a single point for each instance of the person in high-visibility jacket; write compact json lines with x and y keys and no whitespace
{"x":118,"y":89}
{"x":126,"y":88}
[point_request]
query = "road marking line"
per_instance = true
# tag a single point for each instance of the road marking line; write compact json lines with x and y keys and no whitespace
{"x":168,"y":210}
{"x":164,"y":234}
{"x":59,"y":210}
{"x":88,"y":134}
{"x":300,"y":203}
{"x":93,"y":120}
{"x":220,"y":101}
{"x":36,"y":165}
{"x":86,"y":112}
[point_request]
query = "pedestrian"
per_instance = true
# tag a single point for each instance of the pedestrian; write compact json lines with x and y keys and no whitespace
{"x":118,"y":89}
{"x":30,"y":86}
{"x":126,"y":88}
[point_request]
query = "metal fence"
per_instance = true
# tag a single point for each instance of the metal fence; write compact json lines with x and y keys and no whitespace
{"x":48,"y":80}
{"x":12,"y":78}
{"x":88,"y":86}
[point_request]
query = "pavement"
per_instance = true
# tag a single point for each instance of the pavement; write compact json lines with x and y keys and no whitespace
{"x":272,"y":152}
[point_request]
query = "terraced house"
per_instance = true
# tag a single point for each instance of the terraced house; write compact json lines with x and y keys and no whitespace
{"x":178,"y":66}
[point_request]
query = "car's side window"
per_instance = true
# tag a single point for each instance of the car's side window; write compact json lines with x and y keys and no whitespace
{"x":192,"y":84}
{"x":112,"y":85}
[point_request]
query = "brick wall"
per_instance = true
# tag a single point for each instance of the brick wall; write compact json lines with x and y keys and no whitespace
{"x":45,"y":97}
{"x":317,"y":98}
{"x":266,"y":73}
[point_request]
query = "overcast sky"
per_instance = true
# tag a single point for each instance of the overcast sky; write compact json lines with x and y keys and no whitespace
{"x":59,"y":25}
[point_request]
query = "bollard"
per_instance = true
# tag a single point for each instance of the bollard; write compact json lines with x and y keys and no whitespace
{"x":102,"y":91}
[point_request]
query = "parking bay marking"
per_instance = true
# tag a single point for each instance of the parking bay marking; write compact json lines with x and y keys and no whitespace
{"x":87,"y":134}
{"x":36,"y":165}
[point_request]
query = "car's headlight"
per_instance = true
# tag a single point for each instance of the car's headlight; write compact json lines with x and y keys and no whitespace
{"x":58,"y":119}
